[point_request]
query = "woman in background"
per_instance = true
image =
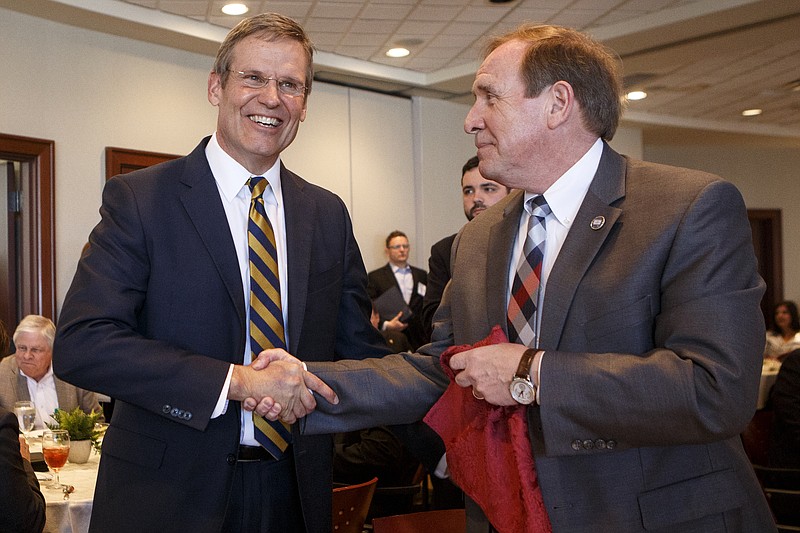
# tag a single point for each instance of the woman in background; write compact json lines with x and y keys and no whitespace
{"x":784,"y":336}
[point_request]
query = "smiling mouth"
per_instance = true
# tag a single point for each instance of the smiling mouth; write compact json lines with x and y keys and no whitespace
{"x":270,"y":122}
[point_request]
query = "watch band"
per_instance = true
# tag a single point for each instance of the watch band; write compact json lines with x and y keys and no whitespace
{"x":524,"y":368}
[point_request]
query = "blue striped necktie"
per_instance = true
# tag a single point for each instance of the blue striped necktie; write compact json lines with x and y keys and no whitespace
{"x":266,"y":318}
{"x":527,"y":280}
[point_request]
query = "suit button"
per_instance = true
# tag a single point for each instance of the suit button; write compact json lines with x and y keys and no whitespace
{"x":175,"y":411}
{"x":588,"y":444}
{"x":600,"y":444}
{"x":187,"y":415}
{"x":230,"y":459}
{"x":576,"y":445}
{"x":611,"y":444}
{"x":166,"y":409}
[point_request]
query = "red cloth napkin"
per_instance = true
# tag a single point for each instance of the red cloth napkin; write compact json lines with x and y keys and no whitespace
{"x":489,"y":452}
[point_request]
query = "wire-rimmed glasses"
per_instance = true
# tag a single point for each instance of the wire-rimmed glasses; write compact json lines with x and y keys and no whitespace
{"x":254,"y":80}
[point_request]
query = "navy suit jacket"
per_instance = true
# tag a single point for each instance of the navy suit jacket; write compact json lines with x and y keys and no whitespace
{"x":156,"y":315}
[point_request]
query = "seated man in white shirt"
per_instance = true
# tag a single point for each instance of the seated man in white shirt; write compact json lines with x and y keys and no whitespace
{"x":28,"y":375}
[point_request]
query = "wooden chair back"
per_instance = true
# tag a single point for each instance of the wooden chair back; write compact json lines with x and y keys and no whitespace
{"x":447,"y":521}
{"x":350,"y":506}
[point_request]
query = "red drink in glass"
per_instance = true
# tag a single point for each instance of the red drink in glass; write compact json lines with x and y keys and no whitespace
{"x":56,"y":456}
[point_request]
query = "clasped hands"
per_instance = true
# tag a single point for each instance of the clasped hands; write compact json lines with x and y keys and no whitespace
{"x":277,"y":386}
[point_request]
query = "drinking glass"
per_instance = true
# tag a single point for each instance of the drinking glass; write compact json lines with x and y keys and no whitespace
{"x":26,"y":415}
{"x":55,"y":448}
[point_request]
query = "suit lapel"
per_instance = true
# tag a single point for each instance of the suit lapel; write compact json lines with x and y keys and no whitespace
{"x":502,"y":236}
{"x":300,"y":211}
{"x":582,"y":244}
{"x":200,"y":199}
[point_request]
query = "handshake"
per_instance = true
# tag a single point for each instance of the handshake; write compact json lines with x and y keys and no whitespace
{"x":277,"y":386}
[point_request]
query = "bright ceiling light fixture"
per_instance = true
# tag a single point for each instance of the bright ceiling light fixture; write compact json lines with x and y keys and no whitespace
{"x":636,"y":95}
{"x":397,"y":52}
{"x":751,"y":112}
{"x":235,"y":9}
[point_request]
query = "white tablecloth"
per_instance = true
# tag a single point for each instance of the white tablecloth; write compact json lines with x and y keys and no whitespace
{"x":72,"y":516}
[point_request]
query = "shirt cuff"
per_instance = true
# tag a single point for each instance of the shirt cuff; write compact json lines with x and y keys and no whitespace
{"x":537,"y":379}
{"x":442,"y":471}
{"x":222,"y":402}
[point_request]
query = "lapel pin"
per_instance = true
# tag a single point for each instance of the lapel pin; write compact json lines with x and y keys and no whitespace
{"x":597,"y":222}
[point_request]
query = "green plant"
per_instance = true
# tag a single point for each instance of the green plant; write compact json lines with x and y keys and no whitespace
{"x":79,"y":425}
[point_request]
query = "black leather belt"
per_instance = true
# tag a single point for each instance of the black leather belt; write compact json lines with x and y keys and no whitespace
{"x":253,"y":453}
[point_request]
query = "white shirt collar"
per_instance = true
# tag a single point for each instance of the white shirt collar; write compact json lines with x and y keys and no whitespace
{"x":566,"y":195}
{"x":231,"y":176}
{"x":396,"y":268}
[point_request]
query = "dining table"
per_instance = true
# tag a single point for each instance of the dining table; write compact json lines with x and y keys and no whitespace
{"x":68,"y":513}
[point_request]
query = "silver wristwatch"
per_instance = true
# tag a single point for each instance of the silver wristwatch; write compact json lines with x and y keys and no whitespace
{"x":522,"y":388}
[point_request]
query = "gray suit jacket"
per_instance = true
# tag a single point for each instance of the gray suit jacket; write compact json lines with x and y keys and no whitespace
{"x":653,"y":338}
{"x":14,"y":388}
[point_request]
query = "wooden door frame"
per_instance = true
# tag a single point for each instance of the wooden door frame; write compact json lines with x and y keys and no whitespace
{"x":39,"y":202}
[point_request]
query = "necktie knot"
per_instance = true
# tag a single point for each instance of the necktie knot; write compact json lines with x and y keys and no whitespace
{"x":539,"y":207}
{"x":257,"y":185}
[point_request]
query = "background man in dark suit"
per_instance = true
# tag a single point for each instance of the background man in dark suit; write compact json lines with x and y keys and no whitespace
{"x":645,"y":358}
{"x":478,"y":194}
{"x":411,"y":281}
{"x":157,"y":316}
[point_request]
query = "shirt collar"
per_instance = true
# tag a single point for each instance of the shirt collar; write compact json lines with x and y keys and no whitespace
{"x":397,"y":269}
{"x":231,"y":176}
{"x":566,"y":195}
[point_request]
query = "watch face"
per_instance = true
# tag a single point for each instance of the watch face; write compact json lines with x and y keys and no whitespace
{"x":522,"y":391}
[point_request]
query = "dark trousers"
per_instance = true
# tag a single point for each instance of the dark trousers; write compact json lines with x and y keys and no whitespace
{"x":264,"y":498}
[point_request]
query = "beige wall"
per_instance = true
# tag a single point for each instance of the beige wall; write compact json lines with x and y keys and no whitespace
{"x":395,"y":162}
{"x":766,"y":170}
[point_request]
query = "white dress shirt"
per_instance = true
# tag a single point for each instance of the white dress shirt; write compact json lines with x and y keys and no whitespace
{"x":404,"y":280}
{"x":44,"y":397}
{"x":231,"y":178}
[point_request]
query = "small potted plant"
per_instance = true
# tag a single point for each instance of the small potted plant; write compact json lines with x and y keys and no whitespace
{"x":83,"y":433}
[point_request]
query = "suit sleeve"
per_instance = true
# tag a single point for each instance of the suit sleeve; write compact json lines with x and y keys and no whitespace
{"x":698,"y":381}
{"x":23,"y":503}
{"x":103,"y":342}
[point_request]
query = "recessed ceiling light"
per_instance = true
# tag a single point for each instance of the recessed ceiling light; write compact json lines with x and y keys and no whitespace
{"x":235,"y":9}
{"x":751,"y":112}
{"x":397,"y":52}
{"x":636,"y":95}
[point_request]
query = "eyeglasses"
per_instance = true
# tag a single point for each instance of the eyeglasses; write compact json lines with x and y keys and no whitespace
{"x":284,"y":85}
{"x":399,"y":247}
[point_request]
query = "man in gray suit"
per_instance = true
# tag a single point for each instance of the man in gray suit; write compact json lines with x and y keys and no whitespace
{"x":28,"y":374}
{"x":645,"y":350}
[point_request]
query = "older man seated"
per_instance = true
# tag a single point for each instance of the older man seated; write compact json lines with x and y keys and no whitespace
{"x":28,"y":375}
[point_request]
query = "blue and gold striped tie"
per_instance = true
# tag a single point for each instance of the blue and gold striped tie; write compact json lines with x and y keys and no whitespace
{"x":266,"y":318}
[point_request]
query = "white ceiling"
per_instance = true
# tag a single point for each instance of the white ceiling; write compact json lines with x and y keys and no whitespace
{"x":701,"y":61}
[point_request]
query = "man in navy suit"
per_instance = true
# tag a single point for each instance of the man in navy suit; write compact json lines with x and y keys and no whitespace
{"x":157,"y":314}
{"x":411,"y":281}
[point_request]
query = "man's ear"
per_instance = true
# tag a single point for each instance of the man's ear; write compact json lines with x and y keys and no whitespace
{"x":214,"y":87}
{"x":561,"y":104}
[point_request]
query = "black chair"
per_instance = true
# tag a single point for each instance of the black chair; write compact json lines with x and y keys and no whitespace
{"x":402,"y":499}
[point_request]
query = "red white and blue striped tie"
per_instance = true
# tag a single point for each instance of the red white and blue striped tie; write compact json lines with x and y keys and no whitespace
{"x":525,"y":289}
